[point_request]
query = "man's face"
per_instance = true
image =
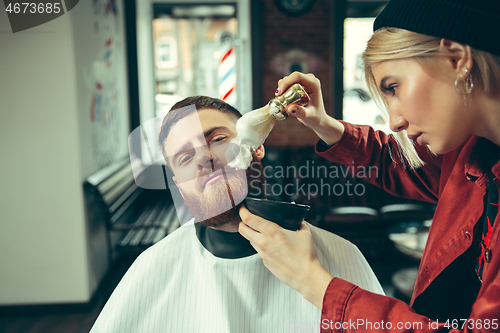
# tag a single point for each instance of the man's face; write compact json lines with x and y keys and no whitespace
{"x":196,"y":149}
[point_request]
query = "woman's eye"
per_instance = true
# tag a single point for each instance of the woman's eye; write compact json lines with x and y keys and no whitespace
{"x":391,"y":89}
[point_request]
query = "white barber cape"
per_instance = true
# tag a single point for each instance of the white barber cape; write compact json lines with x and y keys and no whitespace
{"x":178,"y":285}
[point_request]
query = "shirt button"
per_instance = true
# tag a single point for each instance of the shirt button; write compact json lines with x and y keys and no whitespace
{"x":487,"y":255}
{"x":468,"y":235}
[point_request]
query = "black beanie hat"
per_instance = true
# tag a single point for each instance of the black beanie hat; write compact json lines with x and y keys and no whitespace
{"x":472,"y":22}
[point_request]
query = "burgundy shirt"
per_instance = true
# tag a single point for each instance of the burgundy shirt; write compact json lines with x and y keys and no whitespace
{"x":447,"y":288}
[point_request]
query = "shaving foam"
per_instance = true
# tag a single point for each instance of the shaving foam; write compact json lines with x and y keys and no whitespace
{"x":252,"y":129}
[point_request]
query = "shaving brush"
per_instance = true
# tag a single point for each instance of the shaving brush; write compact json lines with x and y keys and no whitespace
{"x":259,"y":123}
{"x":254,"y":127}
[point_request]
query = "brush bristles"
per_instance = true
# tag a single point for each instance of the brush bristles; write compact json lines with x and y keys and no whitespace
{"x":257,"y":125}
{"x":254,"y":127}
{"x":260,"y":119}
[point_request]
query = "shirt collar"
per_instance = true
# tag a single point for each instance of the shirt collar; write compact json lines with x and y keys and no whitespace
{"x":222,"y":244}
{"x":483,"y":157}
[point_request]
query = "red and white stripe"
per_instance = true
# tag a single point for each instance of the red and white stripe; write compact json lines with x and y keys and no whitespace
{"x":227,"y":74}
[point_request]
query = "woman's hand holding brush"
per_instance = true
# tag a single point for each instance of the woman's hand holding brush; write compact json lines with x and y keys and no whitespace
{"x":313,"y":115}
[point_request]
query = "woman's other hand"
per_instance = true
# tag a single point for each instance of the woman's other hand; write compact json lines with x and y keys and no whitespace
{"x":289,"y":255}
{"x":313,"y":115}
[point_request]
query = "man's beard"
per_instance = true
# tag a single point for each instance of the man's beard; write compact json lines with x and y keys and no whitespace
{"x":221,"y":201}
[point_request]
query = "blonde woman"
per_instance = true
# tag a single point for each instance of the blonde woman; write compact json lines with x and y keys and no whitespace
{"x":434,"y":65}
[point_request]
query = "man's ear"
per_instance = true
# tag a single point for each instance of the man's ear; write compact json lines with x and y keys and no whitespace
{"x":260,"y":152}
{"x":459,"y":55}
{"x":176,"y":184}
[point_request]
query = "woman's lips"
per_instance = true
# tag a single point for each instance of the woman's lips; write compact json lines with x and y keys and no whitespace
{"x":416,"y":138}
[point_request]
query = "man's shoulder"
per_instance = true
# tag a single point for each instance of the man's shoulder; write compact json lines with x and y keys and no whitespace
{"x":184,"y":231}
{"x":177,"y":239}
{"x":343,"y":259}
{"x":137,"y":292}
{"x":324,"y":237}
{"x":333,"y":249}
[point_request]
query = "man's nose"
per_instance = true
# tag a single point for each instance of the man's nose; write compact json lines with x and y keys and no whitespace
{"x":397,"y":121}
{"x":205,"y":159}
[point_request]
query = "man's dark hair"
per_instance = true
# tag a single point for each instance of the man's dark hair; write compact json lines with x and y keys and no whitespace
{"x":178,"y":111}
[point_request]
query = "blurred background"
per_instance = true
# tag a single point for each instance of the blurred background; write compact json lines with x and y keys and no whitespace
{"x":74,"y":217}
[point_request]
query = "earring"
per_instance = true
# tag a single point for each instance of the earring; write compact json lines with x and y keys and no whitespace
{"x":467,"y":82}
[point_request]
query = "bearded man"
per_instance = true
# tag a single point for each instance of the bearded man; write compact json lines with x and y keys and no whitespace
{"x":205,"y":276}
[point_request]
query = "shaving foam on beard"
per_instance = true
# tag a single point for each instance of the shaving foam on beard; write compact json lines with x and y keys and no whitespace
{"x":254,"y":127}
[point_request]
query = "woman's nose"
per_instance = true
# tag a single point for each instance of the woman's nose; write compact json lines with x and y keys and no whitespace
{"x":397,"y":122}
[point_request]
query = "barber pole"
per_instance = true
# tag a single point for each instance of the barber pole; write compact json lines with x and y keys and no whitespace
{"x":227,"y":74}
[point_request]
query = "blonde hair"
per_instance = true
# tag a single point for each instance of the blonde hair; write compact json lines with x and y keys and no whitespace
{"x":393,"y":44}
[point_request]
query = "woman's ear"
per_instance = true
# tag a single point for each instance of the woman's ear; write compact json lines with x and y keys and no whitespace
{"x":260,"y":152}
{"x":459,"y":55}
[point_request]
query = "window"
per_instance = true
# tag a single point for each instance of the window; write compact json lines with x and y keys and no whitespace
{"x":358,"y":106}
{"x":197,"y":52}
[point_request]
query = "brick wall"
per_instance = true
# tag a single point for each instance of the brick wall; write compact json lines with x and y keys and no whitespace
{"x":310,"y":32}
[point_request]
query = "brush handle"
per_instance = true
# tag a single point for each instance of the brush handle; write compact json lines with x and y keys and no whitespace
{"x":296,"y":94}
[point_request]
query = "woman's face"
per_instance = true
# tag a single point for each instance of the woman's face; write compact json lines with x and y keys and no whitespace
{"x":425,"y":103}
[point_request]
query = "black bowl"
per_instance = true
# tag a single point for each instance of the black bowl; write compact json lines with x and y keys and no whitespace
{"x":288,"y":215}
